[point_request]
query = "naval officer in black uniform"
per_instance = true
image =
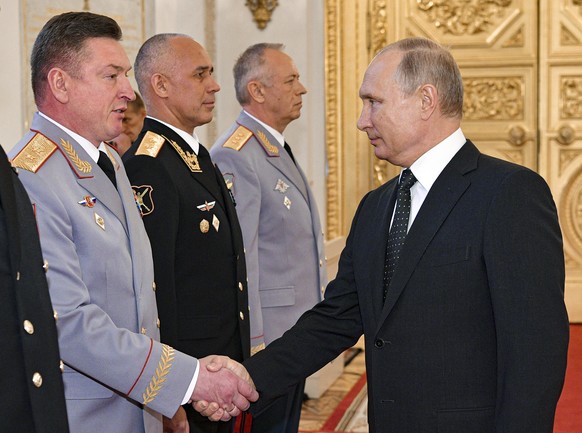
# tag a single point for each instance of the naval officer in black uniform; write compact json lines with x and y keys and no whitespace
{"x":32,"y":394}
{"x":187,"y":210}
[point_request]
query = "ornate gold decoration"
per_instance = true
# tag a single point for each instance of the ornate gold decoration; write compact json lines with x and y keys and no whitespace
{"x":257,"y":348}
{"x":566,"y":157}
{"x":238,"y":138}
{"x":515,"y":41}
{"x":517,"y":135}
{"x":158,"y":379}
{"x":571,"y":96}
{"x":378,"y":24}
{"x":190,"y":158}
{"x":463,"y":17}
{"x":262,"y":10}
{"x":34,"y":154}
{"x":266,"y":143}
{"x":150,"y":145}
{"x":566,"y":135}
{"x":515,"y":156}
{"x":571,"y":212}
{"x":567,"y":38}
{"x":332,"y":114}
{"x":82,"y":166}
{"x":380,"y":172}
{"x":578,"y":3}
{"x":494,"y":98}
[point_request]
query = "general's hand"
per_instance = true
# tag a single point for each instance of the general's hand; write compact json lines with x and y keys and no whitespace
{"x":178,"y":423}
{"x":226,"y":385}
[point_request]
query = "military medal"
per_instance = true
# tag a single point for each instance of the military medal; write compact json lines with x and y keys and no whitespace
{"x":206,"y":206}
{"x":215,"y":222}
{"x":281,"y":186}
{"x":204,"y":226}
{"x":88,"y":201}
{"x":99,"y":220}
{"x":287,"y":202}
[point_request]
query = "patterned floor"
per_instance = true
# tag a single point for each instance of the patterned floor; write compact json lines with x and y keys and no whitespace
{"x":317,"y":412}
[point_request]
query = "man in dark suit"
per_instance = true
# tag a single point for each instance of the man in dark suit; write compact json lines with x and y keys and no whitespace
{"x":465,"y":324}
{"x":187,"y":210}
{"x":33,"y":398}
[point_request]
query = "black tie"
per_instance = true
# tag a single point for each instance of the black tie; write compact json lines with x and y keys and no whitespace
{"x":399,"y":227}
{"x":288,"y":149}
{"x":107,"y":166}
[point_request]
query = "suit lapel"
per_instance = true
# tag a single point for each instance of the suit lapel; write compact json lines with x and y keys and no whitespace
{"x":8,"y":199}
{"x":441,"y":199}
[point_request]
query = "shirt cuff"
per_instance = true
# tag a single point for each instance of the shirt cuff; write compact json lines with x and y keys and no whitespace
{"x":188,"y":396}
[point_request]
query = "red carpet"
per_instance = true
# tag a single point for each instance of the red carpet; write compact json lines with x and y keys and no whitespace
{"x":569,"y":412}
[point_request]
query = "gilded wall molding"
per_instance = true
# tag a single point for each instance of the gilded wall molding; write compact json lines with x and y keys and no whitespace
{"x":464,"y":17}
{"x":566,"y":158}
{"x":210,"y":44}
{"x":332,"y":116}
{"x":571,"y":212}
{"x":494,"y":98}
{"x":571,"y":96}
{"x":262,"y":10}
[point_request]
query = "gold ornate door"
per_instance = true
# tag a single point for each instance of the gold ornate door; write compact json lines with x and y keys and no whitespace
{"x":521,"y":62}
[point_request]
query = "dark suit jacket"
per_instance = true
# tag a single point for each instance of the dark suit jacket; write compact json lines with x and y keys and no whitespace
{"x":473,"y":335}
{"x":200,"y":271}
{"x":31,"y":349}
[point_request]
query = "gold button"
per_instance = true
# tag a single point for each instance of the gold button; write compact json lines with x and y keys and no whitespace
{"x":28,"y":327}
{"x":240,"y":286}
{"x":322,"y":290}
{"x":37,"y":380}
{"x":143,"y":330}
{"x":154,"y":286}
{"x":158,"y":322}
{"x":62,"y":366}
{"x":320,"y":263}
{"x":17,"y":275}
{"x":45,"y":266}
{"x":55,"y":315}
{"x":242,"y":316}
{"x":244,"y":250}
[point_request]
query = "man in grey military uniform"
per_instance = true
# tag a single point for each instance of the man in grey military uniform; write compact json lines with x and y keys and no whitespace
{"x":117,"y":376}
{"x":276,"y":209}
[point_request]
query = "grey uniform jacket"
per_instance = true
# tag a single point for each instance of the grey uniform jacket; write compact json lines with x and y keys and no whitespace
{"x":280,"y":224}
{"x":102,"y":288}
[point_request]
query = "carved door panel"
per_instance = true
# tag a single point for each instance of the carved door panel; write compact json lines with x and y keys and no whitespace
{"x":560,"y":130}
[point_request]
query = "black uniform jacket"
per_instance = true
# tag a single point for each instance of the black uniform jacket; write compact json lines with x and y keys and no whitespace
{"x":197,"y":244}
{"x":31,"y":390}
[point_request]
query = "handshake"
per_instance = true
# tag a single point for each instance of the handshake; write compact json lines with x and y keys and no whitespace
{"x":224,"y":388}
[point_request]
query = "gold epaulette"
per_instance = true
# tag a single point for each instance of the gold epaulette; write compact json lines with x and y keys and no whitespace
{"x":238,"y":138}
{"x":35,"y":153}
{"x":151,"y":144}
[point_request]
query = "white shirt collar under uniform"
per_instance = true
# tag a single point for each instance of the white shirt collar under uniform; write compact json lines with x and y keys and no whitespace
{"x":428,"y":168}
{"x":191,"y":139}
{"x":83,"y":142}
{"x":278,"y":136}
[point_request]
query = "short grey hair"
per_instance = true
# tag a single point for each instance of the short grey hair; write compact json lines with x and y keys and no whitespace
{"x":249,"y":67}
{"x":426,"y":62}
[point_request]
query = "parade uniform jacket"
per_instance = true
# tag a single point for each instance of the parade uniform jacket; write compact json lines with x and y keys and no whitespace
{"x":32,"y":393}
{"x":473,"y":335}
{"x":281,"y":228}
{"x":101,"y":285}
{"x":196,"y":241}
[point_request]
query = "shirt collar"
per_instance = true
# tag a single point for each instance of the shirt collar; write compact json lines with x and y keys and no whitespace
{"x":83,"y":142}
{"x":191,"y":139}
{"x":430,"y":165}
{"x":278,"y":136}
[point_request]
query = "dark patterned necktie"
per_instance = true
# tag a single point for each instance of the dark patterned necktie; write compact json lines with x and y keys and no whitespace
{"x":107,"y":166}
{"x":399,"y":227}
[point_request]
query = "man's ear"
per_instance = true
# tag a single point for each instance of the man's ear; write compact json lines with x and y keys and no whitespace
{"x":255,"y":89}
{"x":59,"y":84}
{"x":429,"y":100}
{"x":159,"y":84}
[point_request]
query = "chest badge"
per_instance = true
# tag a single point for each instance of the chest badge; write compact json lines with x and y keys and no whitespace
{"x":88,"y":201}
{"x":143,"y":199}
{"x":204,"y":226}
{"x":287,"y":203}
{"x":99,"y":220}
{"x":281,"y":186}
{"x":206,"y":206}
{"x":215,"y":222}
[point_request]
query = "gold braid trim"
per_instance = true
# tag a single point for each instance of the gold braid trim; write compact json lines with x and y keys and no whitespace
{"x":267,"y":144}
{"x":82,"y":166}
{"x":159,"y":377}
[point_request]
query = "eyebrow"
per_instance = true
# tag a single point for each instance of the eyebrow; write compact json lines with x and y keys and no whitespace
{"x":204,"y":68}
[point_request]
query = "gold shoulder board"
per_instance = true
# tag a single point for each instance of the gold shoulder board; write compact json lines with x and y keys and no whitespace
{"x":35,"y":153}
{"x":238,"y":138}
{"x":150,"y":145}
